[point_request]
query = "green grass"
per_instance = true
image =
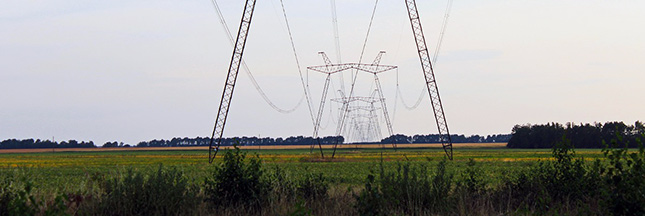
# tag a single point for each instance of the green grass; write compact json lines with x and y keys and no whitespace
{"x":71,"y":171}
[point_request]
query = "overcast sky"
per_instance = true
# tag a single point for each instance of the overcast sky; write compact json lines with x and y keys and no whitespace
{"x":141,"y":70}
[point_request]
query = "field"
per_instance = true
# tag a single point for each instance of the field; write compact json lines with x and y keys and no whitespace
{"x":63,"y":168}
{"x":483,"y":179}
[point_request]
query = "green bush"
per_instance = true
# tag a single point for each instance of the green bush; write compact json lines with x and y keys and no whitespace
{"x":236,"y":182}
{"x":410,"y":190}
{"x":313,"y":187}
{"x":163,"y":192}
{"x":549,"y":185}
{"x":16,"y":198}
{"x":471,"y":181}
{"x":283,"y":186}
{"x":6,"y":195}
{"x":624,"y":177}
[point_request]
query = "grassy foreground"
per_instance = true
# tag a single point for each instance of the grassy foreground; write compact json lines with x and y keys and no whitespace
{"x":54,"y":171}
{"x":366,"y":181}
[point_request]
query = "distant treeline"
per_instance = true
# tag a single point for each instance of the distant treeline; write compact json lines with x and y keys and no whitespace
{"x":434,"y":138}
{"x":302,"y":140}
{"x":32,"y":144}
{"x":581,"y":136}
{"x":244,"y":141}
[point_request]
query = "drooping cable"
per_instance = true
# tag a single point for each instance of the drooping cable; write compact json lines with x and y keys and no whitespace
{"x":416,"y":104}
{"x":396,"y":97}
{"x":339,"y":59}
{"x":443,"y":30}
{"x":434,"y":60}
{"x":295,"y":54}
{"x":248,"y":71}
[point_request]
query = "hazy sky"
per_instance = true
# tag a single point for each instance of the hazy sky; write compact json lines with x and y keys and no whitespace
{"x":141,"y":70}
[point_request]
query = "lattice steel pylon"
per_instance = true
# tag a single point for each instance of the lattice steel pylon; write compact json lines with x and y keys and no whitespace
{"x":231,"y":78}
{"x":227,"y":94}
{"x":431,"y":83}
{"x":329,"y":68}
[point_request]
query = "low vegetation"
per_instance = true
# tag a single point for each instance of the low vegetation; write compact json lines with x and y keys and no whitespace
{"x":567,"y":182}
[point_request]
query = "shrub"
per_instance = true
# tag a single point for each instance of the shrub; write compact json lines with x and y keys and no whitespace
{"x":236,"y":182}
{"x":164,"y":192}
{"x":624,"y":178}
{"x":313,"y":187}
{"x":283,"y":185}
{"x":410,"y":190}
{"x":16,"y":197}
{"x":551,"y":184}
{"x":471,"y":181}
{"x":370,"y":201}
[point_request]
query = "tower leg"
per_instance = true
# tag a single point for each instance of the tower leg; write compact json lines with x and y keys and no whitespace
{"x":231,"y":78}
{"x":433,"y":90}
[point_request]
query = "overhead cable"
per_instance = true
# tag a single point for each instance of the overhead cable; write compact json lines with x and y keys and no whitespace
{"x":339,"y":59}
{"x":443,"y":30}
{"x":248,"y":71}
{"x":295,"y":54}
{"x":434,"y":60}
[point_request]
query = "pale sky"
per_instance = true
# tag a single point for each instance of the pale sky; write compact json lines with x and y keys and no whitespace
{"x":139,"y":70}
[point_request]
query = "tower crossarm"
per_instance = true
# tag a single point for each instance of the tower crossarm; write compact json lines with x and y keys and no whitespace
{"x":364,"y":108}
{"x":357,"y":98}
{"x":325,"y":58}
{"x":378,"y":58}
{"x":335,"y":68}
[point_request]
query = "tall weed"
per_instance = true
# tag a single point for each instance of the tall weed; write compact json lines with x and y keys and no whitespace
{"x":408,"y":190}
{"x":163,"y":192}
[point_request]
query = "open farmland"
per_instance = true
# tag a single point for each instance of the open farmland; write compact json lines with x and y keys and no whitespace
{"x":351,"y":164}
{"x":482,"y":178}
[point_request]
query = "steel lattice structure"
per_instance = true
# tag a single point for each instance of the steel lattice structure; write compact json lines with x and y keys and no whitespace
{"x":428,"y":72}
{"x":329,"y":68}
{"x":231,"y":78}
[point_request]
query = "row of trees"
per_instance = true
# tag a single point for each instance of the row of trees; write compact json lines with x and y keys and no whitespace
{"x":244,"y":141}
{"x":31,"y":144}
{"x":434,"y":138}
{"x":329,"y":140}
{"x":205,"y":141}
{"x":581,"y":136}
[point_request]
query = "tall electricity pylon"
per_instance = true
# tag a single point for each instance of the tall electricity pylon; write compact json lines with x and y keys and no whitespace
{"x":433,"y":91}
{"x":428,"y":72}
{"x":231,"y":78}
{"x":329,"y":68}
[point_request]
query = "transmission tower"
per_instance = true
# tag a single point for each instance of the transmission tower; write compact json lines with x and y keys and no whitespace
{"x":231,"y":78}
{"x":365,"y":121}
{"x":431,"y":83}
{"x":329,"y":68}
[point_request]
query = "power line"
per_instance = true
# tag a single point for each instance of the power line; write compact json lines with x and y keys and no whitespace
{"x":434,"y":59}
{"x":248,"y":71}
{"x":339,"y":59}
{"x":443,"y":30}
{"x":295,"y":54}
{"x":416,"y":104}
